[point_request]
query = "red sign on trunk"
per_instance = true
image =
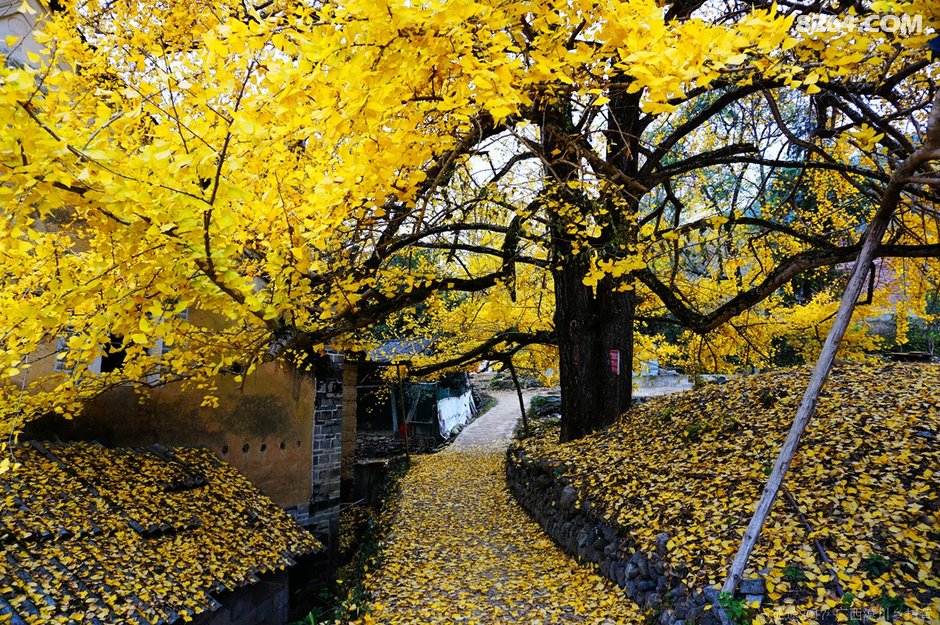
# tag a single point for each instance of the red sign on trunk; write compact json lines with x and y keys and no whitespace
{"x":614,"y":361}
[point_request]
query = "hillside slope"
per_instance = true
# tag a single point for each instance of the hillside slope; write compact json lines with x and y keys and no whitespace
{"x":693,"y":465}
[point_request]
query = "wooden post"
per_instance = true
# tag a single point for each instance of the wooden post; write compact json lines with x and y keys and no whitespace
{"x":401,"y":408}
{"x":876,"y":229}
{"x":515,"y":381}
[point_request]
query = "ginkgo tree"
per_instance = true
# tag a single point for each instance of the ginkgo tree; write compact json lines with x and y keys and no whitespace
{"x":568,"y":167}
{"x":775,"y":181}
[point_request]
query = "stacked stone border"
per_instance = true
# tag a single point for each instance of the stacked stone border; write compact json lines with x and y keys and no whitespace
{"x":649,"y":579}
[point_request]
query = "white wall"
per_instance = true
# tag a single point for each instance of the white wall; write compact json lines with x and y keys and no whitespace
{"x":19,"y":24}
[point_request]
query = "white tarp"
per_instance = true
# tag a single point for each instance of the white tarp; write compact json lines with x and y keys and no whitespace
{"x":453,"y":411}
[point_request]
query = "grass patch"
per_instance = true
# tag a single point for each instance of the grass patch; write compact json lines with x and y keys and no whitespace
{"x":487,"y":402}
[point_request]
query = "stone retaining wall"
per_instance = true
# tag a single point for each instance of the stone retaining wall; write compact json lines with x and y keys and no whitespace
{"x":648,"y":578}
{"x":373,"y":445}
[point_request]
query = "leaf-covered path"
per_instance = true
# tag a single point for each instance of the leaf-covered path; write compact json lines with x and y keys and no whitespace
{"x":463,"y":551}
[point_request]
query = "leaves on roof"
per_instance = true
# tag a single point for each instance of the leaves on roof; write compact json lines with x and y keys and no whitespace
{"x":89,"y":534}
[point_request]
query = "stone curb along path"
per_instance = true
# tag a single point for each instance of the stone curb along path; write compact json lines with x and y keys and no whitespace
{"x":462,"y":550}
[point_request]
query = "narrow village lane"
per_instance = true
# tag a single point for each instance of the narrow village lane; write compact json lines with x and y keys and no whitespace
{"x":463,"y":551}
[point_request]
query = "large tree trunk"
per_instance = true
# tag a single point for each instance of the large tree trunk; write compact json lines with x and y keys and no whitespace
{"x":617,"y":309}
{"x":590,"y":325}
{"x":616,"y":318}
{"x":588,"y":328}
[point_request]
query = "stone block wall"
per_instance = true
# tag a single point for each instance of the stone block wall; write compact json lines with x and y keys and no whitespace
{"x":375,"y":445}
{"x":648,"y":578}
{"x":300,"y":513}
{"x":327,"y":451}
{"x":371,"y":445}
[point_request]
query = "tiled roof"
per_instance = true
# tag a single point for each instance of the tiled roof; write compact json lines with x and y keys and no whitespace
{"x":95,"y":535}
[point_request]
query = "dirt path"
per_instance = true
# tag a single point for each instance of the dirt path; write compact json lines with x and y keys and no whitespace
{"x":463,"y":551}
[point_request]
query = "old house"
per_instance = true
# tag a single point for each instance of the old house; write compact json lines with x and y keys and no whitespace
{"x":147,"y":535}
{"x":279,"y":428}
{"x":428,"y":410}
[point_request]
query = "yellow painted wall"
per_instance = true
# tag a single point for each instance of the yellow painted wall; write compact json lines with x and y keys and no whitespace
{"x":264,"y":428}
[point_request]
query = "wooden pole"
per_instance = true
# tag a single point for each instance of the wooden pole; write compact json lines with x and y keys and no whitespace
{"x":401,"y":408}
{"x":876,"y":229}
{"x":515,"y":381}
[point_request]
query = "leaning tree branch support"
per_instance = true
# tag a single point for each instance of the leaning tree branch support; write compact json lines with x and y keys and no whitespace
{"x":903,"y":175}
{"x":515,"y":382}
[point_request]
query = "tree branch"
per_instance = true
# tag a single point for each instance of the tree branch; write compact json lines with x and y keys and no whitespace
{"x":485,"y":350}
{"x":780,"y":275}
